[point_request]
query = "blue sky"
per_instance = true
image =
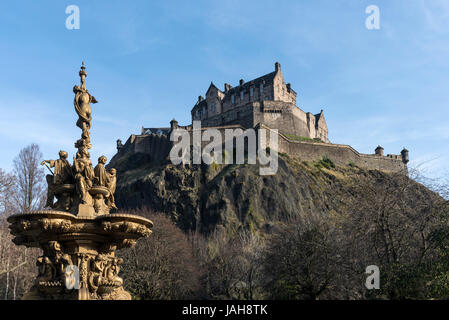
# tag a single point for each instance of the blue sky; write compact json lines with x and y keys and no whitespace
{"x":147,"y":62}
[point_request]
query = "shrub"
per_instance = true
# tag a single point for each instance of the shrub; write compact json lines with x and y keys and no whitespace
{"x":325,"y":162}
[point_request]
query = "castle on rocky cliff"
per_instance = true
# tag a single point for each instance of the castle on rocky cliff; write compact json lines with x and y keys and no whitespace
{"x":265,"y":102}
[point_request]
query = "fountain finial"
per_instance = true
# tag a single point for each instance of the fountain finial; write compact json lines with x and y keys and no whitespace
{"x":83,"y":75}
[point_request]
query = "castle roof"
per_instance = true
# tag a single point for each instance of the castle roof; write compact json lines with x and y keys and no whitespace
{"x":211,"y":86}
{"x":265,"y":79}
{"x":164,"y":131}
{"x":201,"y":103}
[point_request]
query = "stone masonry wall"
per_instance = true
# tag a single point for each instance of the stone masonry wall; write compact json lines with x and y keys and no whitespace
{"x":243,"y":115}
{"x":341,"y":155}
{"x":285,"y":116}
{"x":159,"y":146}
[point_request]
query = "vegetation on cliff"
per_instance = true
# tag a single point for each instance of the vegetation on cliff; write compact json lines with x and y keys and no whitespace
{"x":308,"y":232}
{"x":201,"y":197}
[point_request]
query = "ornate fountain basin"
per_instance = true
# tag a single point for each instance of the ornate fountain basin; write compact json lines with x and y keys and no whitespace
{"x":99,"y":190}
{"x":119,"y":229}
{"x":88,"y":243}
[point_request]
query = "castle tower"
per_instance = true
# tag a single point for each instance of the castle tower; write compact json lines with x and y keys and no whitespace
{"x":379,"y":151}
{"x":404,"y":154}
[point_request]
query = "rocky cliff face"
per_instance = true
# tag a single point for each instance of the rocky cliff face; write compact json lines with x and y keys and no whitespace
{"x":201,"y":197}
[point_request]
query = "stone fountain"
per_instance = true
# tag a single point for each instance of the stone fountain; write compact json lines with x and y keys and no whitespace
{"x":76,"y":231}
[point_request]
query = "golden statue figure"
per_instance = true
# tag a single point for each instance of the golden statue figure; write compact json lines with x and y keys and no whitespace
{"x":111,"y":185}
{"x":61,"y":175}
{"x":84,"y":174}
{"x":82,"y":104}
{"x":101,"y":176}
{"x":63,"y":172}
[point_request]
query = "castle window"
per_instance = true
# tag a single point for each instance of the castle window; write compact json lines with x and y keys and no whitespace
{"x":233,"y":99}
{"x":212,"y":107}
{"x":251,"y":91}
{"x":242,"y":95}
{"x":261,"y":88}
{"x":197,"y":114}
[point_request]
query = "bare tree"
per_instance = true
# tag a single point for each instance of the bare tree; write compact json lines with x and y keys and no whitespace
{"x":6,"y":190}
{"x":390,"y":221}
{"x":231,"y":264}
{"x":17,"y":265}
{"x":162,"y":266}
{"x":302,"y":260}
{"x":29,"y":178}
{"x":252,"y":246}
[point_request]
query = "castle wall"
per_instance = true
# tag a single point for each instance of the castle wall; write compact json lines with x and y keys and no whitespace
{"x":322,"y":131}
{"x":341,"y":155}
{"x":267,"y":94}
{"x":159,"y":146}
{"x":244,"y":116}
{"x":284,"y":116}
{"x":213,"y":101}
{"x":289,"y":119}
{"x":280,"y":90}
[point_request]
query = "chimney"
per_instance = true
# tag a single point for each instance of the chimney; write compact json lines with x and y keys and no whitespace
{"x":227,"y":87}
{"x":241,"y":82}
{"x":173,"y":124}
{"x":119,"y":145}
{"x":289,"y":87}
{"x":277,"y":66}
{"x":200,"y":98}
